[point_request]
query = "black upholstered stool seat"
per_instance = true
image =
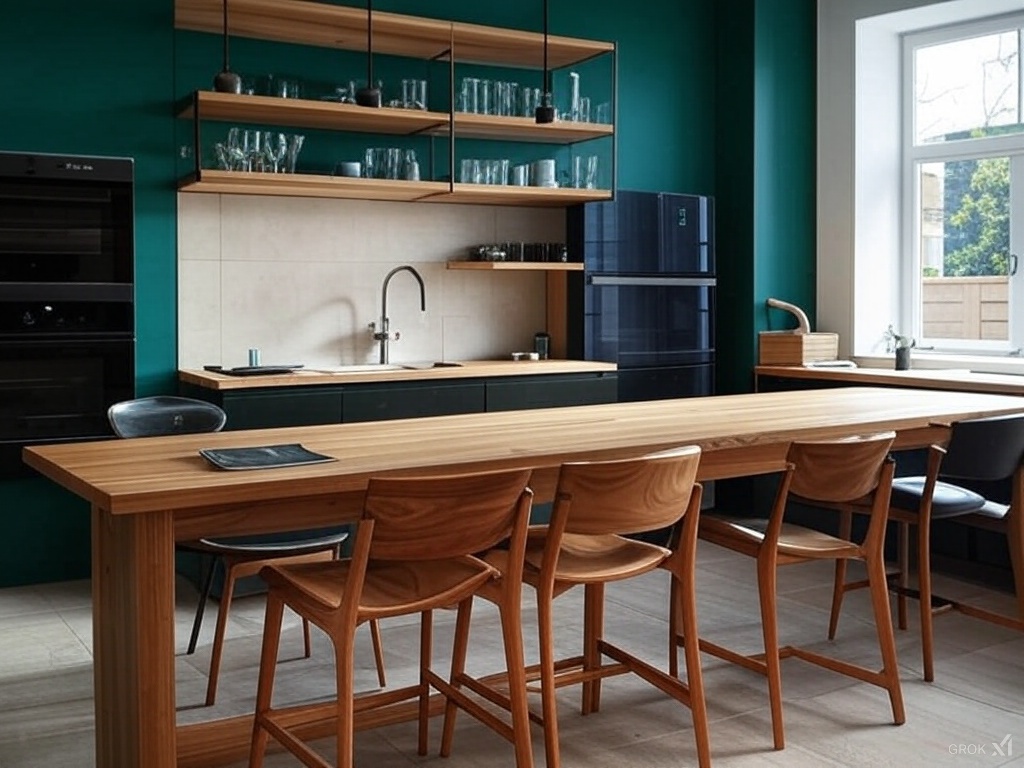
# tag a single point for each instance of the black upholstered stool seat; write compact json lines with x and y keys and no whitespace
{"x":948,"y":500}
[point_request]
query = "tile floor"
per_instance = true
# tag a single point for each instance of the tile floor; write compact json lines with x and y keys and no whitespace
{"x":46,"y":718}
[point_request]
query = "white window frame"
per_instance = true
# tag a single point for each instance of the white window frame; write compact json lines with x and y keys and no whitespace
{"x":1007,"y":145}
{"x":859,"y":179}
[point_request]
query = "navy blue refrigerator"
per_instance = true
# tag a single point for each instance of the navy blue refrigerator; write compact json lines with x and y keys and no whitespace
{"x":646,"y":297}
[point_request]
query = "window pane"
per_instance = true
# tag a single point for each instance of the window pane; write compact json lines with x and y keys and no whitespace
{"x":968,"y":87}
{"x":965,"y":247}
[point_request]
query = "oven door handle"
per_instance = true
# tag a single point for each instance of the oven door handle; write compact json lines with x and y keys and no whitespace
{"x":652,"y":281}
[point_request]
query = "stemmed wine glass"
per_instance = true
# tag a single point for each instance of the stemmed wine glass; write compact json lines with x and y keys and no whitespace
{"x":275,"y":145}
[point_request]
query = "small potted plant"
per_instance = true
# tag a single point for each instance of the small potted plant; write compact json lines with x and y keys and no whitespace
{"x":901,"y":345}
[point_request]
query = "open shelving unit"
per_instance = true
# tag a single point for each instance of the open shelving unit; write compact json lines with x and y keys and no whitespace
{"x":342,"y":27}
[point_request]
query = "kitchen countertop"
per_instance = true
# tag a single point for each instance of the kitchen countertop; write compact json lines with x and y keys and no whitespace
{"x":469,"y":369}
{"x":925,"y":378}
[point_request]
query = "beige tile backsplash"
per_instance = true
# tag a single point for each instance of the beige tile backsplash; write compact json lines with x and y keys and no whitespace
{"x":300,"y":279}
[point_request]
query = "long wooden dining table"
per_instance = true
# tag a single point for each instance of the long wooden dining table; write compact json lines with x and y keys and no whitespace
{"x":147,"y":493}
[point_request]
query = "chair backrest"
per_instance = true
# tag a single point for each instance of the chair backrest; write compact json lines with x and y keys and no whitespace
{"x":984,"y":449}
{"x":628,"y":495}
{"x":164,"y":415}
{"x":431,"y":518}
{"x":837,"y":471}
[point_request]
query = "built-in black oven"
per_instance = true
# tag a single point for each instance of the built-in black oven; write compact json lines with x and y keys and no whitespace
{"x":67,"y":318}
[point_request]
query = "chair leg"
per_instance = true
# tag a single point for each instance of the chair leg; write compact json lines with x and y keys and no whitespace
{"x":378,"y":652}
{"x":512,"y":637}
{"x":549,"y":705}
{"x":924,"y":585}
{"x":426,"y":654}
{"x":593,"y":631}
{"x":222,"y":624}
{"x":886,"y":641}
{"x":694,"y":676}
{"x":344,"y":662}
{"x":307,"y":644}
{"x":766,"y":568}
{"x":265,"y":684}
{"x":839,"y":583}
{"x":674,"y":634}
{"x":459,"y":649}
{"x":903,"y":544}
{"x":204,"y":597}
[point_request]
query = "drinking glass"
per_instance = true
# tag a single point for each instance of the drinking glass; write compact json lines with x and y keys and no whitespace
{"x":370,"y":163}
{"x":470,"y":94}
{"x":603,"y":113}
{"x":469,"y":172}
{"x":275,"y":145}
{"x":410,"y":166}
{"x":393,"y":162}
{"x":292,"y":153}
{"x":583,"y":113}
{"x":486,"y":102}
{"x":521,"y":176}
{"x":590,"y":179}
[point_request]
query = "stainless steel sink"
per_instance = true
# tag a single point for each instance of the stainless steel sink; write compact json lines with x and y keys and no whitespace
{"x":363,"y":368}
{"x":378,"y":367}
{"x":425,"y":366}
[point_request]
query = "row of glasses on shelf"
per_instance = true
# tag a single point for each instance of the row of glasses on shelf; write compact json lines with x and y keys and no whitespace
{"x":476,"y":95}
{"x":259,"y":151}
{"x":390,"y":163}
{"x":582,"y":173}
{"x":486,"y":97}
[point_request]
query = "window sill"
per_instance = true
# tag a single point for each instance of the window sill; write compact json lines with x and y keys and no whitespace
{"x":938,"y":361}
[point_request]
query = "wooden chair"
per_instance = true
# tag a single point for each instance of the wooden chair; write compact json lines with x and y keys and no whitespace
{"x":238,"y":556}
{"x":830,"y":472}
{"x":986,"y":450}
{"x":595,"y":503}
{"x":413,"y":553}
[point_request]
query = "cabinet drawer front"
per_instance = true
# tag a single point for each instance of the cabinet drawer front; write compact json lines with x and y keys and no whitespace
{"x":263,"y":410}
{"x":380,"y":402}
{"x":514,"y":394}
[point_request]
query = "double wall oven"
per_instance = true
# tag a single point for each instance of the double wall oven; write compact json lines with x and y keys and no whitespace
{"x":67,"y":320}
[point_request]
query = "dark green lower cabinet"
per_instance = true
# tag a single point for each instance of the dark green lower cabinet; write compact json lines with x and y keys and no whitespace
{"x":277,"y":407}
{"x":410,"y":400}
{"x":524,"y":392}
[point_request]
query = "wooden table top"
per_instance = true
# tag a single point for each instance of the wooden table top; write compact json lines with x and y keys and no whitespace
{"x":150,"y":474}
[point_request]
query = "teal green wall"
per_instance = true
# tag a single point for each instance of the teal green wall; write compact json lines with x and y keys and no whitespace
{"x":101,"y":78}
{"x":764,"y":173}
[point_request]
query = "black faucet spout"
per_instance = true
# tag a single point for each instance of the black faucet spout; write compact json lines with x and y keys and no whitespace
{"x":383,"y":335}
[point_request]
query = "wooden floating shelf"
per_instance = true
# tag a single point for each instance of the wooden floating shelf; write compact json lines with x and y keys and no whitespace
{"x":334,"y":26}
{"x":314,"y":185}
{"x":535,"y":266}
{"x":473,"y":126}
{"x":311,"y":185}
{"x":306,"y":113}
{"x":486,"y":194}
{"x":271,"y":110}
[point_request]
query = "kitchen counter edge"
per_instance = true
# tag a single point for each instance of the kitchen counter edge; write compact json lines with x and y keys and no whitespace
{"x":470,"y":369}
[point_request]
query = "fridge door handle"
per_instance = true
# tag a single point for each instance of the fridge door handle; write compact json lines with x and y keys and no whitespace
{"x":652,"y":281}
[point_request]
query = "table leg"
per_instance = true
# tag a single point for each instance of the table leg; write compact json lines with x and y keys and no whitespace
{"x":133,"y":639}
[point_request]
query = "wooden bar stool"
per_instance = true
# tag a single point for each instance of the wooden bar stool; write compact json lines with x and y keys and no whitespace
{"x":978,"y":451}
{"x":413,"y":553}
{"x":595,"y":504}
{"x":830,"y":472}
